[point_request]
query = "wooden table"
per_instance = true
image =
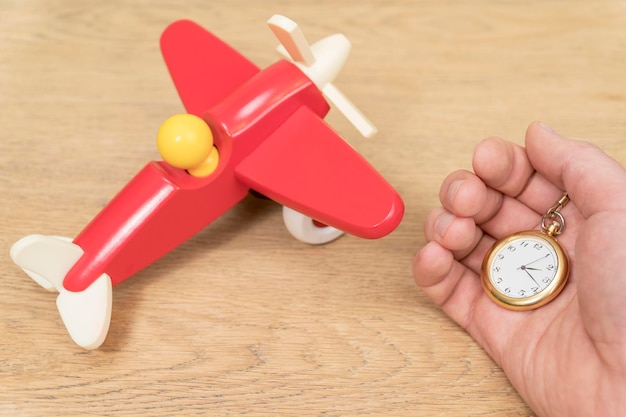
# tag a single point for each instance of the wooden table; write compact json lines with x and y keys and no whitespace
{"x":241,"y":319}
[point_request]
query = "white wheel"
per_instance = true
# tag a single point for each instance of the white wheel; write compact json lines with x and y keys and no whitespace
{"x":306,"y":230}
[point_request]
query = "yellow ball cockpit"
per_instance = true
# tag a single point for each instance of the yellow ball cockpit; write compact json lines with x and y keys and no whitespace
{"x":185,"y":141}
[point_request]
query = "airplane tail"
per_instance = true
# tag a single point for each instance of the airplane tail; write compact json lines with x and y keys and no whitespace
{"x":47,"y":260}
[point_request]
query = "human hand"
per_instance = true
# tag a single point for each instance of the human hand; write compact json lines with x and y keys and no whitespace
{"x":567,"y":358}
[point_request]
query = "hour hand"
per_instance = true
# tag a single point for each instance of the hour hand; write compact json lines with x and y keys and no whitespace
{"x":527,"y":268}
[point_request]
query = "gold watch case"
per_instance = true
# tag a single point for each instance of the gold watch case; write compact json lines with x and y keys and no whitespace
{"x":534,"y":299}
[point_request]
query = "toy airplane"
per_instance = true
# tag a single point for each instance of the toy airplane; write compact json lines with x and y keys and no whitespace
{"x":246,"y":129}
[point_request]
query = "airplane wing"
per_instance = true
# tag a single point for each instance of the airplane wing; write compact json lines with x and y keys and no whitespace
{"x":204,"y":69}
{"x":307,"y":166}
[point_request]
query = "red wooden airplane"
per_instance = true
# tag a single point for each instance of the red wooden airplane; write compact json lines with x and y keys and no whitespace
{"x":246,"y":129}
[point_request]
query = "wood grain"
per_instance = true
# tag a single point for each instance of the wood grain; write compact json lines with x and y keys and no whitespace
{"x":241,"y":319}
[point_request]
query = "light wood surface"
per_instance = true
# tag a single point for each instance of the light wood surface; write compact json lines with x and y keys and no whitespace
{"x":241,"y":319}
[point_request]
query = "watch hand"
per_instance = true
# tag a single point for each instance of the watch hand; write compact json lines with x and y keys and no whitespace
{"x":531,"y":277}
{"x":524,"y":268}
{"x":537,"y":260}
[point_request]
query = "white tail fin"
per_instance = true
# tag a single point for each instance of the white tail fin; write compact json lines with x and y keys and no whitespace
{"x":47,"y":260}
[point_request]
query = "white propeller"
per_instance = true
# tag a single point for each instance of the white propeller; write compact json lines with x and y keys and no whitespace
{"x":321,"y":62}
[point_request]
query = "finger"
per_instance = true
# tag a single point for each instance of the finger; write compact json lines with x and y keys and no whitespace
{"x":474,"y":260}
{"x":450,"y":231}
{"x":433,"y":272}
{"x":512,"y":216}
{"x":447,"y":282}
{"x":502,"y":165}
{"x":458,"y":235}
{"x":458,"y":291}
{"x":464,"y":194}
{"x":505,"y":167}
{"x":574,"y":166}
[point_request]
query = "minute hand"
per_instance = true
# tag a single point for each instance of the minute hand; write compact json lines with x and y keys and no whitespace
{"x":536,"y":260}
{"x":531,"y":277}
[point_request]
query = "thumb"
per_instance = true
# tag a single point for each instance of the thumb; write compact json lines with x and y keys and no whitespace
{"x":596,"y":183}
{"x":593,"y":180}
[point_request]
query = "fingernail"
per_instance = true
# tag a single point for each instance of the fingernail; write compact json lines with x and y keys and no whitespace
{"x":453,"y":189}
{"x":442,"y":223}
{"x":546,"y":128}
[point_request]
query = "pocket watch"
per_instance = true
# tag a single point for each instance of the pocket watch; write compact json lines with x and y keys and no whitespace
{"x":528,"y":269}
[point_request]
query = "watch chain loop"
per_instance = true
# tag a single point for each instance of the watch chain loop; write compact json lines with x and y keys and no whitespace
{"x":553,"y":221}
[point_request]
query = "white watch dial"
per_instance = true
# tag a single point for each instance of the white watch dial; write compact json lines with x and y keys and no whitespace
{"x":524,"y":267}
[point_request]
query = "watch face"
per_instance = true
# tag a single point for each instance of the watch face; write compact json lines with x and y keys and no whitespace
{"x":525,"y":270}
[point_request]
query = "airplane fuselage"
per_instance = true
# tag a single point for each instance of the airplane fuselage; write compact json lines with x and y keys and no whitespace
{"x":162,"y":206}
